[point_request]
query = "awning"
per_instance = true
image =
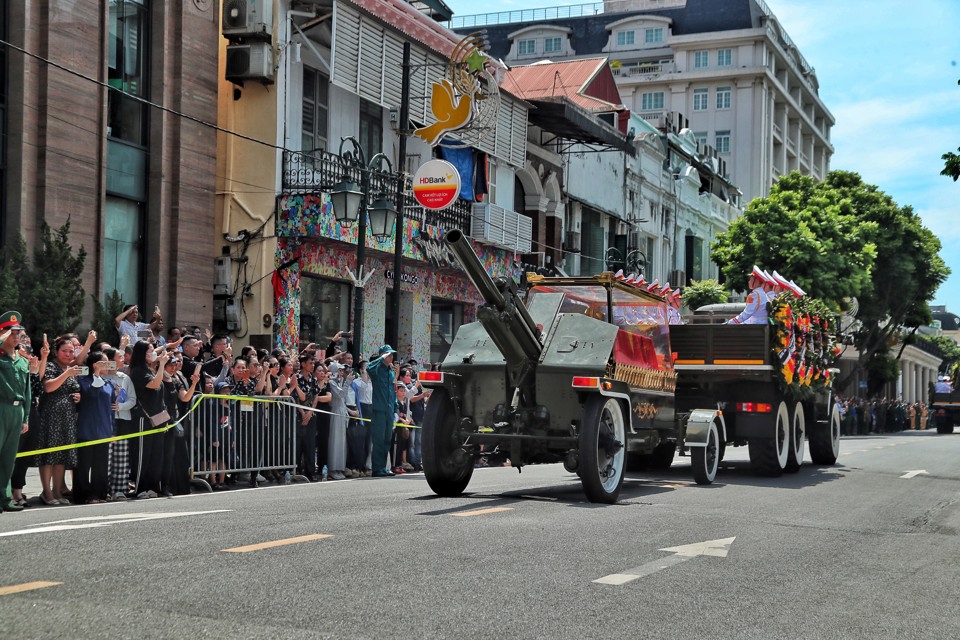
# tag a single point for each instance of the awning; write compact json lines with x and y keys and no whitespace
{"x":560,"y":117}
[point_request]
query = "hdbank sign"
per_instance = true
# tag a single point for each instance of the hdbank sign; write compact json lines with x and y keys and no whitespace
{"x":436,"y":184}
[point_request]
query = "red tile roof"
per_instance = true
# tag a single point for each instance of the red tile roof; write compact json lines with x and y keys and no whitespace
{"x":583,"y":82}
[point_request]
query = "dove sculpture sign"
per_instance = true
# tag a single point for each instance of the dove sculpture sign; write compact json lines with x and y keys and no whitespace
{"x":452,"y":112}
{"x":436,"y":184}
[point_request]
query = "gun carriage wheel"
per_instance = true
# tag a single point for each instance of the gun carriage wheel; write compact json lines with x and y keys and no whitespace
{"x":446,"y":466}
{"x":602,"y":448}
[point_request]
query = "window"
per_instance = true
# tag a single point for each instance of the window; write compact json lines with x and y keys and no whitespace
{"x":315,"y":109}
{"x":724,"y":57}
{"x":653,"y":36}
{"x":445,"y":318}
{"x":526,"y":47}
{"x":324,"y":308}
{"x":371,"y":128}
{"x":127,"y":65}
{"x":723,"y":142}
{"x":723,"y":97}
{"x":701,"y":59}
{"x":701,"y":137}
{"x":625,"y":38}
{"x":121,"y":248}
{"x":700,"y":99}
{"x":651,"y":101}
{"x":551,"y":45}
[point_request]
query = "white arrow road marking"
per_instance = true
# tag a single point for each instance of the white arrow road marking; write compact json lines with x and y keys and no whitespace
{"x":915,"y":473}
{"x":103,"y":521}
{"x":716,"y":548}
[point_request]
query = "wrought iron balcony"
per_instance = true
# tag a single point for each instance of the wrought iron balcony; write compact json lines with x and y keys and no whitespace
{"x":320,"y":170}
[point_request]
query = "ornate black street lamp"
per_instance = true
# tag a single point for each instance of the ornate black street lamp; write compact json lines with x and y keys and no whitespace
{"x":351,"y":204}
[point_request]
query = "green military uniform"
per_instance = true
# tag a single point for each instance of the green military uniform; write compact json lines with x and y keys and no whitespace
{"x":14,"y":407}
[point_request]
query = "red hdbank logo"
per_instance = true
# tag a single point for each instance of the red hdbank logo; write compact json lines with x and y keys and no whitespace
{"x":436,"y":184}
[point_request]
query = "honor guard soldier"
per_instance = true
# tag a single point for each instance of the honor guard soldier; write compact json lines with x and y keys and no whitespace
{"x":756,"y":310}
{"x":673,"y":308}
{"x":14,"y":402}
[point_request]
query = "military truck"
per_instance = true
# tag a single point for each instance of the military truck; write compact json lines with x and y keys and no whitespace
{"x":946,"y":410}
{"x":771,"y":381}
{"x":582,"y":374}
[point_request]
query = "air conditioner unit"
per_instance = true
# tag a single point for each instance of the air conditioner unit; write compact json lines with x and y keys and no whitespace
{"x":678,"y":278}
{"x":492,"y":224}
{"x":571,"y":242}
{"x":252,"y":61}
{"x":247,"y":19}
{"x":222,"y":272}
{"x":232,"y":314}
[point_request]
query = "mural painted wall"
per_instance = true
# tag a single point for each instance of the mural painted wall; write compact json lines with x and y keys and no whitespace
{"x":308,"y":233}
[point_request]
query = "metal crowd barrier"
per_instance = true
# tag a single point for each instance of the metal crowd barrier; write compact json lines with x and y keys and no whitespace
{"x":238,"y":435}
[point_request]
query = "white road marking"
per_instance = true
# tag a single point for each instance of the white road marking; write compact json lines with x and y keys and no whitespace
{"x":716,"y":548}
{"x":91,"y":522}
{"x":914,"y":473}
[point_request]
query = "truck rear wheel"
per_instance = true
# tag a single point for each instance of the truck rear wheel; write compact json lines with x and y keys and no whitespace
{"x":825,"y":439}
{"x":446,"y":466}
{"x":705,"y":459}
{"x":945,"y":424}
{"x":768,"y":454}
{"x":798,"y":430}
{"x":603,"y":449}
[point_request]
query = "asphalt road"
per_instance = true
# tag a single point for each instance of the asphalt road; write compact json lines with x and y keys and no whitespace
{"x":856,"y":550}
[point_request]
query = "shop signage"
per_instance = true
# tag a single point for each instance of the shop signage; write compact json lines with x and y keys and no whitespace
{"x":409,"y":278}
{"x":436,"y":184}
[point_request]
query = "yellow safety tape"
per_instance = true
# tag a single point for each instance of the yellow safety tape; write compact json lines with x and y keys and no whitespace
{"x":150,"y":432}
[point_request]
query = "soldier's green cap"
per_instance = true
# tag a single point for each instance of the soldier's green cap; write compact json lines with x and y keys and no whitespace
{"x":11,"y":320}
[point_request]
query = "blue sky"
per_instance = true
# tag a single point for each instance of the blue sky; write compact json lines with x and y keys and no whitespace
{"x":888,"y":72}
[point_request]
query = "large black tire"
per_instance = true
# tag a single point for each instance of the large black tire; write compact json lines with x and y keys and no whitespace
{"x":945,"y":424}
{"x":798,"y":430}
{"x":447,"y":473}
{"x":825,"y":439}
{"x":705,"y":459}
{"x":768,"y":454}
{"x":660,"y":459}
{"x":603,"y":449}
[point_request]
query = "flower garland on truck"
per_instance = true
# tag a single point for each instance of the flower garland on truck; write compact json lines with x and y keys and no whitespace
{"x":803,"y":346}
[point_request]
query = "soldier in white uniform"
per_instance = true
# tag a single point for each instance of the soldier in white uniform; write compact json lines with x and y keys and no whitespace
{"x":756,"y":310}
{"x":673,"y":308}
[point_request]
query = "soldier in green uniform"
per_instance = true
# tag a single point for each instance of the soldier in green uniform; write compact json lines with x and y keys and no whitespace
{"x":14,"y":401}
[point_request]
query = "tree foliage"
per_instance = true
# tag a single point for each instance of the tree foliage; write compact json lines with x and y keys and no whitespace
{"x":944,"y":346}
{"x":48,"y":290}
{"x":951,"y":165}
{"x":703,"y":292}
{"x":104,"y":314}
{"x":840,"y":238}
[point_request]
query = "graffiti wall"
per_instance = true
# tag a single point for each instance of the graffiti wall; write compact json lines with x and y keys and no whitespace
{"x":308,"y":233}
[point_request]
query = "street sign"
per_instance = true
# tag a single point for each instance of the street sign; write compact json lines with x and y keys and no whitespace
{"x":436,"y":184}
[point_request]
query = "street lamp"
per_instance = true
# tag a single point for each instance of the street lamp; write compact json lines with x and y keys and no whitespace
{"x":350,"y":204}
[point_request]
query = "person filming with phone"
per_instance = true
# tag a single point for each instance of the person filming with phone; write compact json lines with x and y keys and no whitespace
{"x":128,"y":324}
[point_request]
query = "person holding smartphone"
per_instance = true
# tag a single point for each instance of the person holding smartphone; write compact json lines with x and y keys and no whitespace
{"x":95,"y":416}
{"x":58,"y":421}
{"x":128,"y":324}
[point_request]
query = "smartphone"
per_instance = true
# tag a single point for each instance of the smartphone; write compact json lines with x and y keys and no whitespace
{"x":44,"y":338}
{"x":84,"y":371}
{"x":146,"y":333}
{"x":110,"y":365}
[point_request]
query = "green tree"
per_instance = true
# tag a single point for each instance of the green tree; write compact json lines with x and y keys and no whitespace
{"x":951,"y":165}
{"x":103,"y":317}
{"x":837,"y":239}
{"x":52,"y":297}
{"x":944,"y":346}
{"x":14,"y":274}
{"x":704,"y":292}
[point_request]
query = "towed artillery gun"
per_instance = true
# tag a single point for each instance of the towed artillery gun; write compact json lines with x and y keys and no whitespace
{"x":581,"y":374}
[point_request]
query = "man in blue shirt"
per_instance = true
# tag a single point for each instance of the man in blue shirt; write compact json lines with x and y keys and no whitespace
{"x":382,"y":378}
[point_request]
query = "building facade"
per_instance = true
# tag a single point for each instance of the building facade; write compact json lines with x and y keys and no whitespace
{"x":288,"y":271}
{"x":108,"y":121}
{"x":726,"y":69}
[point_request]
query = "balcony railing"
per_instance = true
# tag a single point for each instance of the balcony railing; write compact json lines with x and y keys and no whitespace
{"x":642,"y":69}
{"x":319,"y":170}
{"x":555,"y":13}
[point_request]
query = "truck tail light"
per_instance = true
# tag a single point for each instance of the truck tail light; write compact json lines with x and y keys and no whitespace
{"x":584,"y":382}
{"x":431,"y":376}
{"x":754,"y":407}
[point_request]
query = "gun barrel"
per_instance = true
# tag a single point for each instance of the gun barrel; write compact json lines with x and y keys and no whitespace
{"x":458,"y":244}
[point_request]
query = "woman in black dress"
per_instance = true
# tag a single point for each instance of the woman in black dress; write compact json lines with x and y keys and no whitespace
{"x":146,"y":373}
{"x":58,"y":421}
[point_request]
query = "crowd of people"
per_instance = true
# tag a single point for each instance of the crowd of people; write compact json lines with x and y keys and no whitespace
{"x":860,"y":416}
{"x":350,"y":419}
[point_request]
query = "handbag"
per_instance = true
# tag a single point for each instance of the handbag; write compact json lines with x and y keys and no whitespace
{"x":159,"y":419}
